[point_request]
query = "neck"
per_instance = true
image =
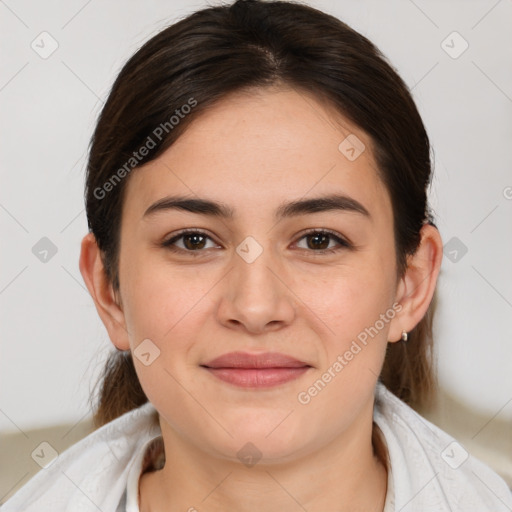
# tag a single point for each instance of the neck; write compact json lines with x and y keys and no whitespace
{"x":344,"y":474}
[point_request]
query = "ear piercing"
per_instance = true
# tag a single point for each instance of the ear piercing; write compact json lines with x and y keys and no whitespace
{"x":404,"y":336}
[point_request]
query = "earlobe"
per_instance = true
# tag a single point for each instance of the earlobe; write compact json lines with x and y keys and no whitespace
{"x":416,"y":288}
{"x":101,"y":290}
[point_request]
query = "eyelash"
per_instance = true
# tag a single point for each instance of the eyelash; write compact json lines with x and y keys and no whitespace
{"x":343,"y":244}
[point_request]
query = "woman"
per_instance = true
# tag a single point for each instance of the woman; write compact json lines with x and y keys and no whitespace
{"x":262,"y":254}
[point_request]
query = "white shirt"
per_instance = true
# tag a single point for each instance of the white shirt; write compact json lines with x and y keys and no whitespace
{"x":430,"y":471}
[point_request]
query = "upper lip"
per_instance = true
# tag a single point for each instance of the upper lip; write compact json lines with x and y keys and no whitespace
{"x":260,"y":360}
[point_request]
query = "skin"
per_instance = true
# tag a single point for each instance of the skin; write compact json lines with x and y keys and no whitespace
{"x":253,"y":152}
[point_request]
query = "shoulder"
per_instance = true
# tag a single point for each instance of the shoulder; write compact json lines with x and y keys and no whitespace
{"x":431,"y":470}
{"x":91,"y":474}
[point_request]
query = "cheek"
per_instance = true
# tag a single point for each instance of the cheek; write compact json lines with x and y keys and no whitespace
{"x":353,"y":332}
{"x":166,"y":306}
{"x":162,"y":302}
{"x":346,"y":299}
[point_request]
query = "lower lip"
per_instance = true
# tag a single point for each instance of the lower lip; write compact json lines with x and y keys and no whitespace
{"x":257,"y":377}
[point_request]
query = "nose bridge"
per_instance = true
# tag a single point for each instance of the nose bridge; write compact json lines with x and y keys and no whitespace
{"x":254,"y":269}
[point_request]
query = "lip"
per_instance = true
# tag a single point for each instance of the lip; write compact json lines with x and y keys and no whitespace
{"x":260,"y":370}
{"x":260,"y":360}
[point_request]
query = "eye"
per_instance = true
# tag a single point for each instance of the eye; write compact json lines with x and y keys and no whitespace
{"x":320,"y":241}
{"x":194,"y":241}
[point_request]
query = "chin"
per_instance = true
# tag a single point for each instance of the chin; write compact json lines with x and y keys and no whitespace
{"x":253,"y":444}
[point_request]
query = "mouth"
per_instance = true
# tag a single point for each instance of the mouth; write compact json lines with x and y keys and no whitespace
{"x":262,"y":370}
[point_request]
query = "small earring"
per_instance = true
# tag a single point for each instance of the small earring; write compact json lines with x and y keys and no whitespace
{"x":404,"y":336}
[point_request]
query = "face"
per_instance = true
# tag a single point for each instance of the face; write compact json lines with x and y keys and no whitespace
{"x":315,"y":284}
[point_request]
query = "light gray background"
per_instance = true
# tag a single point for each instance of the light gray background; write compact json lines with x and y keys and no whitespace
{"x":52,"y":342}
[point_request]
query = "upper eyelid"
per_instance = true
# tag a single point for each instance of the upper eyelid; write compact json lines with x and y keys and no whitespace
{"x":188,"y":231}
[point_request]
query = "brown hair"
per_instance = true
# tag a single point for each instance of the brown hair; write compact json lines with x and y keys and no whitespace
{"x":251,"y":43}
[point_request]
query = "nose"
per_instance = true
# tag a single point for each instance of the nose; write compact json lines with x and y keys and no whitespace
{"x":256,"y":295}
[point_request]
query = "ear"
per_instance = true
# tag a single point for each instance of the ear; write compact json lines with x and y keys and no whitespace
{"x":416,"y":288}
{"x":102,"y":292}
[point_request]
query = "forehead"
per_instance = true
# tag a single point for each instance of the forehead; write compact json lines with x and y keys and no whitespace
{"x":259,"y":148}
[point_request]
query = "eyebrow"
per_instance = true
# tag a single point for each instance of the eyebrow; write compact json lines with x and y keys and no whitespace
{"x":285,"y":210}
